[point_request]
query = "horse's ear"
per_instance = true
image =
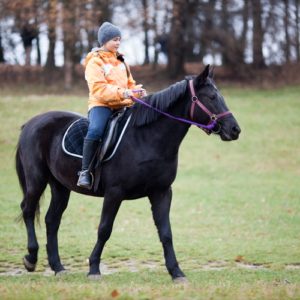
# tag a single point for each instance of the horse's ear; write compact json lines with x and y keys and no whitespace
{"x":211,"y":72}
{"x":202,"y":77}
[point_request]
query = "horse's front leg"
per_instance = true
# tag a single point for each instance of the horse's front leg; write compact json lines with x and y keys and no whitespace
{"x":160,"y":205}
{"x":110,"y":208}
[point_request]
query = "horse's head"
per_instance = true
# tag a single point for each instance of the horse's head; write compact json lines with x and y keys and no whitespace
{"x":208,"y":107}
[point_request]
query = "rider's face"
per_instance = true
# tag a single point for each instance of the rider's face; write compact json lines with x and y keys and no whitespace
{"x":113,"y":45}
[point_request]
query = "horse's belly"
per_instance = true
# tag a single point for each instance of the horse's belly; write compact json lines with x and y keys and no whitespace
{"x":151,"y":176}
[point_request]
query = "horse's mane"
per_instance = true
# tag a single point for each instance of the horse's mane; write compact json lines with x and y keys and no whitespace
{"x":161,"y":100}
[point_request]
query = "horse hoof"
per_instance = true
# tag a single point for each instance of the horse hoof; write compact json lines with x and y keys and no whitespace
{"x":28,"y":265}
{"x":181,"y":281}
{"x":94,"y":277}
{"x":61,"y":273}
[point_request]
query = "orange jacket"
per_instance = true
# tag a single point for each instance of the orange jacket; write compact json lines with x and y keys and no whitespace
{"x":107,"y":80}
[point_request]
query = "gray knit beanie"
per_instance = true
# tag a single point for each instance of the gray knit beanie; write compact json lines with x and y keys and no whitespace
{"x":107,"y":32}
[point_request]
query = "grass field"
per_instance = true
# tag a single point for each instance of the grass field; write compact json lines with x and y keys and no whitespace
{"x":235,"y":213}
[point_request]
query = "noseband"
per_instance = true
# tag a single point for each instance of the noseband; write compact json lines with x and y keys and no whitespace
{"x":213,"y":117}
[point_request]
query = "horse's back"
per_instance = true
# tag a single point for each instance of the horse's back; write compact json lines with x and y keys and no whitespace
{"x":51,"y":118}
{"x":52,"y":122}
{"x":41,"y":131}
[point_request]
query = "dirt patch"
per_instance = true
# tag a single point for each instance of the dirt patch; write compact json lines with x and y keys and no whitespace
{"x":106,"y":269}
{"x":295,"y":266}
{"x":250,"y":266}
{"x":13,"y":272}
{"x":130,"y":265}
{"x":215,"y":266}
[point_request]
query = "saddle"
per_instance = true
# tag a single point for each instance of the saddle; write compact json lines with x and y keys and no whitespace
{"x":72,"y":142}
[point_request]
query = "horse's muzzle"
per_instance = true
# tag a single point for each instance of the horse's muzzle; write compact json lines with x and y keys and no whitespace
{"x":230,"y":135}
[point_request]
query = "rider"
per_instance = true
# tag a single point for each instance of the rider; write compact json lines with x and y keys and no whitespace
{"x":110,"y":86}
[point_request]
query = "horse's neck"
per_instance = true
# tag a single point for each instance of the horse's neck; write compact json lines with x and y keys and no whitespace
{"x":166,"y":135}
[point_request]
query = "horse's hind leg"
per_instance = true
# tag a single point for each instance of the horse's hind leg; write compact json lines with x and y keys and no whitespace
{"x":29,"y":207}
{"x":33,"y":180}
{"x":58,"y":204}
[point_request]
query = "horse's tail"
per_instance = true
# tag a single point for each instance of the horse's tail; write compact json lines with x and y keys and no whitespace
{"x":22,"y":182}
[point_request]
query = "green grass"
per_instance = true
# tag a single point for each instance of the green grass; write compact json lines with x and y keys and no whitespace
{"x":232,"y":202}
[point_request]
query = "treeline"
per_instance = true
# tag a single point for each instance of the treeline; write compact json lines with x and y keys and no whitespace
{"x":234,"y":33}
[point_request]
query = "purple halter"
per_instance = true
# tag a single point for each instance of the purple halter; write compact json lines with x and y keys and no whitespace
{"x":213,"y":117}
{"x":207,"y":128}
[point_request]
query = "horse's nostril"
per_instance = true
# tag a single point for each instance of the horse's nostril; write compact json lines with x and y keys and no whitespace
{"x":236,"y":129}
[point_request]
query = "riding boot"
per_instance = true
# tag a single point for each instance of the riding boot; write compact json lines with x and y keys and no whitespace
{"x":85,"y":176}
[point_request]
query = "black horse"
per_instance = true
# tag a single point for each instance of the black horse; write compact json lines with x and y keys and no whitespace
{"x":145,"y":164}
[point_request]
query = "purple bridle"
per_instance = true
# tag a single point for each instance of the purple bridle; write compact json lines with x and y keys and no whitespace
{"x":207,"y":128}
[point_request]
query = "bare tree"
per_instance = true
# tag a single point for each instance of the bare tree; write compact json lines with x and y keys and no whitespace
{"x":38,"y":15}
{"x":225,"y":25}
{"x":51,"y":24}
{"x":1,"y":49}
{"x":243,"y":39}
{"x":2,"y":9}
{"x":258,"y":35}
{"x":28,"y":34}
{"x":69,"y":31}
{"x":161,"y":27}
{"x":287,"y":46}
{"x":297,"y":30}
{"x":207,"y":16}
{"x":176,"y":39}
{"x":145,"y":6}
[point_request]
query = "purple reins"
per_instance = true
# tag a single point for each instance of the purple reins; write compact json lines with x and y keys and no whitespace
{"x":213,"y":117}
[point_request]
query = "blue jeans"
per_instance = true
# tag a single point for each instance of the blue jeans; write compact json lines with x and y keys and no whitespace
{"x":98,"y":117}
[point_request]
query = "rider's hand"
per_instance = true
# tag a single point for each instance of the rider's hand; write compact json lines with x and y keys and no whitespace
{"x":127,"y":94}
{"x":140,"y":93}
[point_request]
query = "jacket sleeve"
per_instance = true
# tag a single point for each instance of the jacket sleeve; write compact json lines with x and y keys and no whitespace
{"x":98,"y":85}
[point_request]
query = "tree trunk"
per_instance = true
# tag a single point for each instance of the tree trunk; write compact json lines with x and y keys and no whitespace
{"x":105,"y":9}
{"x":176,"y":41}
{"x":192,"y":41}
{"x":146,"y":31}
{"x":102,"y":12}
{"x":257,"y":42}
{"x":50,"y":62}
{"x":1,"y":49}
{"x":68,"y":69}
{"x":243,"y":40}
{"x":297,"y":30}
{"x":28,"y":34}
{"x":51,"y":22}
{"x":154,"y":22}
{"x":226,"y":45}
{"x":37,"y":22}
{"x":287,"y":46}
{"x":69,"y":23}
{"x":28,"y":55}
{"x":38,"y":50}
{"x":208,"y":26}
